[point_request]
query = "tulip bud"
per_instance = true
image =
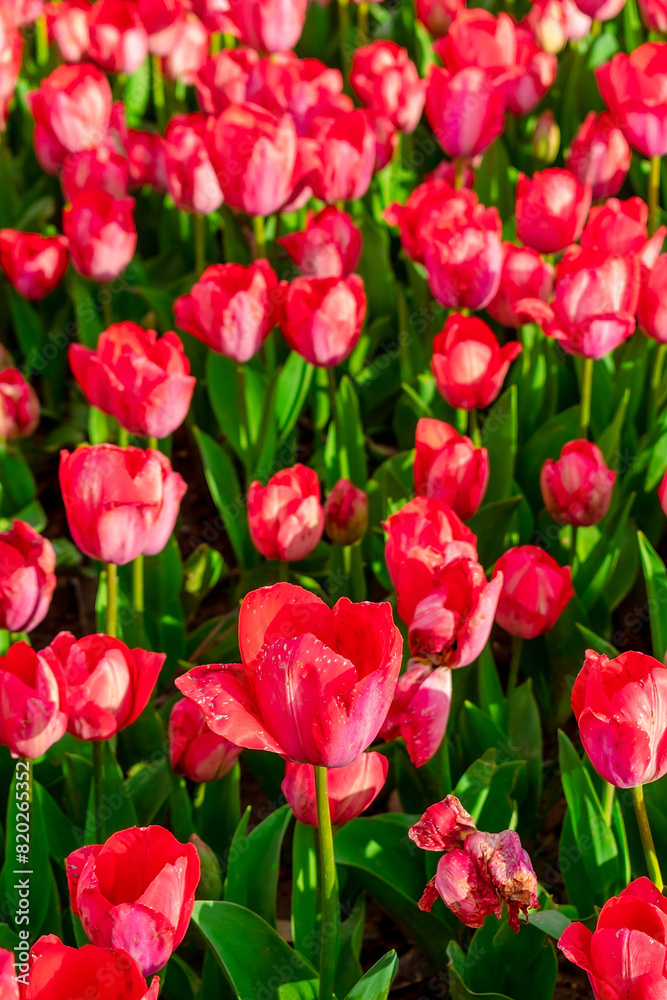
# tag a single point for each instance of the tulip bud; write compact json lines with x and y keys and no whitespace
{"x":34,"y":264}
{"x":449,"y":96}
{"x":386,"y":80}
{"x":422,"y":527}
{"x":191,"y":179}
{"x":449,"y":467}
{"x":67,"y":23}
{"x":27,"y":577}
{"x":101,"y":233}
{"x":35,"y":701}
{"x":19,"y":406}
{"x":469,"y":365}
{"x":189,"y":52}
{"x":437,"y":15}
{"x":654,"y":15}
{"x":350,"y":789}
{"x":628,"y":87}
{"x":195,"y":750}
{"x":321,"y":318}
{"x":420,"y":710}
{"x":546,"y":138}
{"x":535,"y":591}
{"x":577,"y":488}
{"x":329,"y":247}
{"x":599,"y":155}
{"x":285,"y":517}
{"x":272,"y":26}
{"x":118,"y":42}
{"x":551,"y":209}
{"x":525,"y":275}
{"x":346,"y":513}
{"x":210,"y":881}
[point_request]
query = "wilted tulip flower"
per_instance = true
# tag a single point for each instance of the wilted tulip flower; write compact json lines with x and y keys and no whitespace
{"x":101,"y":233}
{"x":231,"y":308}
{"x":120,"y":502}
{"x":136,"y":892}
{"x":443,"y":826}
{"x":525,"y":275}
{"x":146,"y":159}
{"x":189,"y":52}
{"x":67,"y":24}
{"x":194,"y":750}
{"x":118,"y":41}
{"x":634,"y":88}
{"x":619,"y":705}
{"x":270,"y":25}
{"x":141,"y":380}
{"x":386,"y":80}
{"x":652,"y":307}
{"x":463,"y":258}
{"x":346,"y":513}
{"x":420,"y":710}
{"x":223,"y":79}
{"x":315,"y":684}
{"x":27,"y":577}
{"x":425,"y":531}
{"x":285,"y":517}
{"x":551,"y":209}
{"x":460,"y":131}
{"x":19,"y":405}
{"x":654,"y":14}
{"x":191,"y":179}
{"x":343,"y":155}
{"x":577,"y":488}
{"x":449,"y":467}
{"x":321,"y":318}
{"x":34,"y":699}
{"x":102,"y":168}
{"x":535,"y":591}
{"x":626,"y":955}
{"x":350,"y":789}
{"x":329,"y":246}
{"x":58,"y":972}
{"x":437,"y":15}
{"x":469,"y":365}
{"x":33,"y":264}
{"x":599,"y":155}
{"x":619,"y":227}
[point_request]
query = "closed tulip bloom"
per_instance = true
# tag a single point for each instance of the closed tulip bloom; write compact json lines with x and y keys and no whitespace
{"x":270,"y":25}
{"x":58,"y":972}
{"x":620,"y":705}
{"x":626,"y":954}
{"x":11,"y":51}
{"x":101,"y":233}
{"x":321,"y":318}
{"x":599,"y":155}
{"x":118,"y":42}
{"x":634,"y":88}
{"x":315,"y":683}
{"x":469,"y":365}
{"x":600,"y":10}
{"x":163,"y":21}
{"x":449,"y":467}
{"x":525,"y":275}
{"x":537,"y":73}
{"x":120,"y":502}
{"x":386,"y":80}
{"x":223,"y":79}
{"x":329,"y":246}
{"x":94,"y":169}
{"x":34,"y":702}
{"x":344,"y":156}
{"x":303,"y":87}
{"x":386,"y":141}
{"x":426,"y":531}
{"x":19,"y":405}
{"x":33,"y":264}
{"x":285,"y":517}
{"x":190,"y":51}
{"x":466,"y":110}
{"x":146,"y":159}
{"x":9,"y":987}
{"x":652,"y":307}
{"x":654,"y":14}
{"x":420,"y":710}
{"x":551,"y":209}
{"x":346,"y":513}
{"x":464,"y":259}
{"x":432,"y":201}
{"x":136,"y":892}
{"x":27,"y":577}
{"x":194,"y":750}
{"x":443,"y":826}
{"x":231,"y":308}
{"x":619,"y":227}
{"x":350,"y":789}
{"x":67,"y":23}
{"x":437,"y":15}
{"x":191,"y":179}
{"x":577,"y":488}
{"x":535,"y":591}
{"x":478,"y":38}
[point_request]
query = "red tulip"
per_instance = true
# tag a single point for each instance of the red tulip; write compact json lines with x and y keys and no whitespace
{"x":577,"y":488}
{"x":525,"y":275}
{"x":619,"y":228}
{"x":191,"y":179}
{"x":443,"y":827}
{"x":67,"y":23}
{"x":466,"y":110}
{"x":425,"y":531}
{"x":305,"y":88}
{"x":60,"y":973}
{"x":600,"y":10}
{"x":344,"y":155}
{"x":11,"y":47}
{"x":386,"y":141}
{"x":120,"y":502}
{"x":34,"y":699}
{"x":432,"y":201}
{"x":329,"y":246}
{"x":118,"y":42}
{"x":186,"y":57}
{"x":346,"y":513}
{"x":146,"y":159}
{"x":194,"y":750}
{"x":285,"y":517}
{"x":163,"y":21}
{"x":537,"y":73}
{"x":386,"y":80}
{"x":136,"y":892}
{"x":557,"y":22}
{"x":101,"y":233}
{"x":215,"y":15}
{"x":223,"y":79}
{"x":477,"y":38}
{"x":463,"y":258}
{"x":27,"y":577}
{"x":9,"y":969}
{"x":102,"y":168}
{"x":469,"y":365}
{"x":437,"y":15}
{"x":350,"y":789}
{"x":420,"y":710}
{"x":619,"y":705}
{"x":535,"y":591}
{"x":19,"y":405}
{"x":142,"y":381}
{"x":449,"y":467}
{"x":231,"y":308}
{"x":652,"y":307}
{"x":634,"y":88}
{"x":270,"y":25}
{"x":626,"y":955}
{"x":599,"y":155}
{"x":654,"y":15}
{"x":315,"y":684}
{"x":321,"y":318}
{"x":551,"y":209}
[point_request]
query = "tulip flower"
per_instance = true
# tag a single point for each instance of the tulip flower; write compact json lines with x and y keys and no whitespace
{"x":346,"y":513}
{"x":189,"y":52}
{"x":537,"y":73}
{"x":329,"y":247}
{"x":146,"y":159}
{"x":306,"y":88}
{"x":58,"y":972}
{"x":33,"y":264}
{"x":626,"y":955}
{"x":477,"y":38}
{"x":469,"y":365}
{"x":223,"y":79}
{"x":19,"y":405}
{"x":634,"y":88}
{"x":136,"y":892}
{"x":577,"y":488}
{"x":118,"y":41}
{"x":449,"y":100}
{"x":557,"y":22}
{"x":343,"y":155}
{"x":386,"y":80}
{"x":535,"y":591}
{"x":163,"y":21}
{"x":94,"y":169}
{"x":120,"y":502}
{"x":321,"y":318}
{"x":9,"y":987}
{"x":463,"y":259}
{"x":433,"y":200}
{"x":599,"y":155}
{"x":67,"y":24}
{"x":600,"y":10}
{"x":437,"y":15}
{"x":351,"y":789}
{"x":315,"y":683}
{"x":449,"y":467}
{"x":101,"y":233}
{"x":27,"y":577}
{"x":272,"y":25}
{"x":386,"y":141}
{"x":11,"y":46}
{"x":427,"y":531}
{"x":285,"y":517}
{"x":191,"y":179}
{"x":551,"y":209}
{"x":194,"y":750}
{"x":420,"y":710}
{"x":108,"y":684}
{"x":654,"y":15}
{"x":443,"y":827}
{"x":525,"y":275}
{"x":231,"y":308}
{"x":619,"y":228}
{"x":34,"y":697}
{"x":652,"y":308}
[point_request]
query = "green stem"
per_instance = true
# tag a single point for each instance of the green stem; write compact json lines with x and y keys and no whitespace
{"x":515,"y":662}
{"x":199,"y":233}
{"x":244,"y":432}
{"x":473,"y":428}
{"x":41,"y":41}
{"x":112,"y":600}
{"x":344,"y":30}
{"x":458,"y":173}
{"x":573,"y":548}
{"x":152,"y":443}
{"x":330,"y":915}
{"x":158,"y":91}
{"x":608,"y":801}
{"x":341,"y":452}
{"x":98,"y":788}
{"x":138,"y":585}
{"x":283,"y":571}
{"x":123,"y":437}
{"x":407,"y":373}
{"x":107,"y":311}
{"x":260,"y":236}
{"x":656,"y":382}
{"x":646,"y":836}
{"x":653,"y":194}
{"x":586,"y":391}
{"x":362,"y":23}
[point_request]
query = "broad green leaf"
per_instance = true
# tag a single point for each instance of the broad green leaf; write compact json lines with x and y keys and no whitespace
{"x":457,"y":987}
{"x":552,"y":922}
{"x":655,"y":576}
{"x":596,"y":642}
{"x":294,"y":382}
{"x":491,"y":523}
{"x":500,"y":436}
{"x":305,"y":908}
{"x":147,"y":786}
{"x":26,"y":827}
{"x":227,"y":497}
{"x":252,"y":875}
{"x":116,"y":812}
{"x":376,"y":983}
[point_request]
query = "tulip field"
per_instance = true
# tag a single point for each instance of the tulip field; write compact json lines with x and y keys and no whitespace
{"x":333,"y":499}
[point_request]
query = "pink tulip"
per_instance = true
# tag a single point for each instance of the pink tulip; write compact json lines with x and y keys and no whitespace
{"x":223,"y":79}
{"x":118,"y":42}
{"x":194,"y":750}
{"x":321,"y":318}
{"x":469,"y":365}
{"x":285,"y":517}
{"x":420,"y":710}
{"x":634,"y":88}
{"x":463,"y":259}
{"x":619,"y":228}
{"x":449,"y":467}
{"x":466,"y":110}
{"x":27,"y":577}
{"x":426,"y":531}
{"x":652,"y":307}
{"x":19,"y":405}
{"x":35,"y":702}
{"x":443,"y":827}
{"x":329,"y":247}
{"x":551,"y":209}
{"x":102,"y":168}
{"x":346,"y":513}
{"x":350,"y":789}
{"x":101,"y":233}
{"x":58,"y":972}
{"x":577,"y":488}
{"x":34,"y":264}
{"x":270,"y":25}
{"x":525,"y":275}
{"x":386,"y":80}
{"x":534,"y":593}
{"x":191,"y":179}
{"x":599,"y":155}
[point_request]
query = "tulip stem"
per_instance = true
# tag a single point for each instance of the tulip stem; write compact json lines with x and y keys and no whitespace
{"x":244,"y":431}
{"x":646,"y":836}
{"x":41,"y":41}
{"x":473,"y":428}
{"x":330,"y":916}
{"x":656,"y":382}
{"x":260,"y":236}
{"x":515,"y":663}
{"x":199,"y":233}
{"x":138,"y":586}
{"x":608,"y":801}
{"x":123,"y":437}
{"x":158,"y":91}
{"x":341,"y":452}
{"x":343,"y":30}
{"x":112,"y":600}
{"x":362,"y":23}
{"x":586,"y":392}
{"x":283,"y":571}
{"x":107,"y":311}
{"x":653,"y":194}
{"x":458,"y":173}
{"x":98,"y":787}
